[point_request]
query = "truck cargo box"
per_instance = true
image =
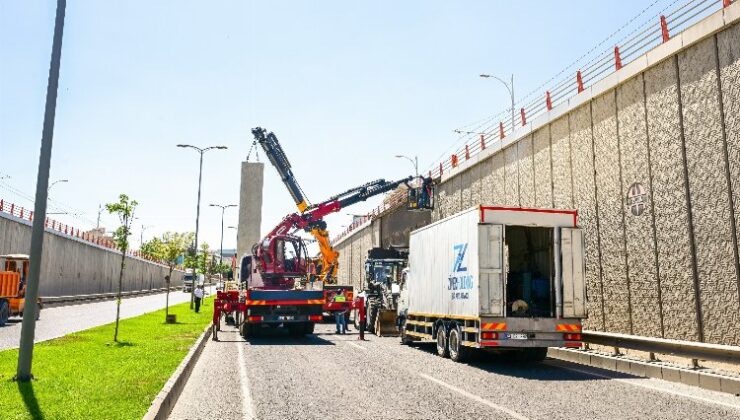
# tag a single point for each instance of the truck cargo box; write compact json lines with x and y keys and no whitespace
{"x":485,"y":261}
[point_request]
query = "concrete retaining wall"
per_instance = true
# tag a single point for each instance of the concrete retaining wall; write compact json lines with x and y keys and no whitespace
{"x":664,"y":130}
{"x":70,"y":266}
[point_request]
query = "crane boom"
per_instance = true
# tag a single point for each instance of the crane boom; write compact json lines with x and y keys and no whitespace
{"x":311,"y":217}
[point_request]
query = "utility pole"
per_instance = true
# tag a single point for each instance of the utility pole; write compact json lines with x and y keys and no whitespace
{"x":197,"y":211}
{"x":25,"y":352}
{"x":223,"y":209}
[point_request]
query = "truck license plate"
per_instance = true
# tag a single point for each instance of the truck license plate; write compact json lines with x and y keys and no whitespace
{"x":286,"y":317}
{"x":516,"y":336}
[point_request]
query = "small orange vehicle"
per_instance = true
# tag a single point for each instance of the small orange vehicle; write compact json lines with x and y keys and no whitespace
{"x":13,"y":285}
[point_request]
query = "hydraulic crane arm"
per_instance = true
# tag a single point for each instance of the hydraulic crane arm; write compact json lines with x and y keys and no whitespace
{"x":279,"y":160}
{"x":310,"y":218}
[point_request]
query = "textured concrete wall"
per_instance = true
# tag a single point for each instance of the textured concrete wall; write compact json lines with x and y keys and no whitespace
{"x":562,"y":183}
{"x":638,"y":222}
{"x":250,"y":207}
{"x":526,"y":172}
{"x":728,"y":48}
{"x":70,"y":266}
{"x":709,"y":191}
{"x":542,"y":168}
{"x":511,"y":176}
{"x":611,"y":223}
{"x":669,"y":204}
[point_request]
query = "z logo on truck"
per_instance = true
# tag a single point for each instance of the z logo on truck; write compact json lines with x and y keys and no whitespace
{"x":459,"y":281}
{"x":460,"y":249}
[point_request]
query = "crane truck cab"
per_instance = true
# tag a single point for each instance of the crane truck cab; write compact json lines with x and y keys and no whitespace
{"x":13,"y":278}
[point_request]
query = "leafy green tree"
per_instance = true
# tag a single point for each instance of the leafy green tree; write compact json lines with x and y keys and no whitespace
{"x":124,"y":209}
{"x":173,"y":246}
{"x":152,"y":249}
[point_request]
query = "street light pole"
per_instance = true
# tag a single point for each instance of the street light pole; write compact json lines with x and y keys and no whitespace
{"x":197,"y":211}
{"x":414,"y":161}
{"x":28,"y":327}
{"x":223,"y":210}
{"x":510,"y":88}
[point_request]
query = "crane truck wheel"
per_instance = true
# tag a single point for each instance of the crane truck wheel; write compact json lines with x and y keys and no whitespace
{"x":458,"y":352}
{"x":4,"y":312}
{"x":443,"y":348}
{"x":245,"y":330}
{"x":309,"y":327}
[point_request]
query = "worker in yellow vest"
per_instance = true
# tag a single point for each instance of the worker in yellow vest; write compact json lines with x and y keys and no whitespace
{"x":339,"y":317}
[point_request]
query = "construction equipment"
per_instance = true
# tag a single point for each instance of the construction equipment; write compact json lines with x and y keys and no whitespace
{"x":384,"y":276}
{"x":276,"y":273}
{"x":13,"y":286}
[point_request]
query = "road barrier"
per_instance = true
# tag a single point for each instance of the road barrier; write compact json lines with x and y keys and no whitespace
{"x":689,"y":349}
{"x":641,"y":40}
{"x":90,"y":236}
{"x":66,"y":300}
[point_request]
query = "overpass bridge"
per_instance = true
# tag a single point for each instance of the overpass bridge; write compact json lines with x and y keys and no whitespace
{"x":649,"y":155}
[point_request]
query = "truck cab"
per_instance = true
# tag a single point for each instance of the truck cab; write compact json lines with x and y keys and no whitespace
{"x":13,"y":277}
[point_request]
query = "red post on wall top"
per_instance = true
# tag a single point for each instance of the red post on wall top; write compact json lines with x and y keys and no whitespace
{"x":453,"y":160}
{"x":30,"y":216}
{"x":501,"y":130}
{"x":726,"y":3}
{"x":482,"y":142}
{"x":524,"y":117}
{"x":664,"y":29}
{"x":548,"y":101}
{"x":579,"y":80}
{"x":617,"y":58}
{"x":2,"y":203}
{"x":440,"y":169}
{"x":467,"y":152}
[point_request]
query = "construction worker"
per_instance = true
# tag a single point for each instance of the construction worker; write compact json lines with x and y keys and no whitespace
{"x":360,"y":302}
{"x":339,"y":314}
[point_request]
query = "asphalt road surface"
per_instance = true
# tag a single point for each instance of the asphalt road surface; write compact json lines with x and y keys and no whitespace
{"x":328,"y":376}
{"x":62,"y":320}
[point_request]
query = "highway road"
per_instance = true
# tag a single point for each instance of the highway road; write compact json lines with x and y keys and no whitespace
{"x":337,"y":377}
{"x":62,"y":320}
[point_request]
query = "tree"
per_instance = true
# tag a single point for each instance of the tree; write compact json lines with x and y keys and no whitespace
{"x":152,"y":249}
{"x":124,"y":208}
{"x":173,"y":246}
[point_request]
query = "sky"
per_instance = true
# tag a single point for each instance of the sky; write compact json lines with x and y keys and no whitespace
{"x":344,"y":85}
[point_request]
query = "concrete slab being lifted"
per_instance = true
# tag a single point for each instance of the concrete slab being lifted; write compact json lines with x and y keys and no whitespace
{"x":250,"y":207}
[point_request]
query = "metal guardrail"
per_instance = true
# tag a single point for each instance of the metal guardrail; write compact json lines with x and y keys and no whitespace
{"x":689,"y":349}
{"x":63,"y":300}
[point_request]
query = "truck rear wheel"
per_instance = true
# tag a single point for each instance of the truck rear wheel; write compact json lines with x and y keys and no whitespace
{"x":4,"y":312}
{"x":443,"y":348}
{"x":245,"y":330}
{"x":458,"y":352}
{"x":309,"y":327}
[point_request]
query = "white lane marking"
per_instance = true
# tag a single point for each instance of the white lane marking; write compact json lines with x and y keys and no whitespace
{"x":349,"y":343}
{"x":247,"y":407}
{"x":475,"y":397}
{"x":651,"y":387}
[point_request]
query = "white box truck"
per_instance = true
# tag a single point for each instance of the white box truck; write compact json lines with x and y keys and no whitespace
{"x":498,"y":278}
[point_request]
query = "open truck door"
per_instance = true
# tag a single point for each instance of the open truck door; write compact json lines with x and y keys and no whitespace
{"x":492,"y":272}
{"x":574,"y":273}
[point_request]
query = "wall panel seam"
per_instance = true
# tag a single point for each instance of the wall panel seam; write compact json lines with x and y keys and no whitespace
{"x":652,"y":207}
{"x":690,"y":215}
{"x":598,"y":224}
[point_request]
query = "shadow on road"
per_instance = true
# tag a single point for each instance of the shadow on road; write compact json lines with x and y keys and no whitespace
{"x":547,"y":370}
{"x":29,"y":399}
{"x":272,"y":337}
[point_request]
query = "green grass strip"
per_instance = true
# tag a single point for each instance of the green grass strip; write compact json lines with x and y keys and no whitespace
{"x":85,"y":375}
